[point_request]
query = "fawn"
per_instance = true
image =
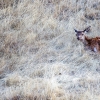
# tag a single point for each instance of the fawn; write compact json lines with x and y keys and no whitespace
{"x":91,"y":43}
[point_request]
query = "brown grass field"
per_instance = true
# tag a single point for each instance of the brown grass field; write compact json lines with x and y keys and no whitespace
{"x":40,"y":57}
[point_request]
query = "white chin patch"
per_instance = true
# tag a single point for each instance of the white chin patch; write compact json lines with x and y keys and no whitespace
{"x":82,"y":39}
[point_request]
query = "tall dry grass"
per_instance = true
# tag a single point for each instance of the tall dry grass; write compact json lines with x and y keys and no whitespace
{"x":40,"y":57}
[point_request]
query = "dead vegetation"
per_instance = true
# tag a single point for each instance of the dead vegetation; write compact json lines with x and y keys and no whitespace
{"x":40,"y":57}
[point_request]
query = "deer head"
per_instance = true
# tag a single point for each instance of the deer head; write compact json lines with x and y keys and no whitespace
{"x":81,"y":34}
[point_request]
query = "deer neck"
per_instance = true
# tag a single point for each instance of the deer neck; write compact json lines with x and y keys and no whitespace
{"x":86,"y":40}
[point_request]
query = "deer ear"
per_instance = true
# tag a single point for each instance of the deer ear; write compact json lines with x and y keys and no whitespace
{"x":87,"y":29}
{"x":75,"y":30}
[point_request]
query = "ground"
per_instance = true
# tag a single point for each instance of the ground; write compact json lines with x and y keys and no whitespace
{"x":40,"y":56}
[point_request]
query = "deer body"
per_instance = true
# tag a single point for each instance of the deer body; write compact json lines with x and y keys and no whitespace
{"x":91,"y":43}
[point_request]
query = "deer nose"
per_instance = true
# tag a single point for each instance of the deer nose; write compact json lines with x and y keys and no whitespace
{"x":77,"y":38}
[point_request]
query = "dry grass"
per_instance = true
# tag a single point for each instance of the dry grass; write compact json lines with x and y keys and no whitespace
{"x":40,"y":57}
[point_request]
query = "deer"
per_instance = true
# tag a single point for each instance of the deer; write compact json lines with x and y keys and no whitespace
{"x":91,"y":43}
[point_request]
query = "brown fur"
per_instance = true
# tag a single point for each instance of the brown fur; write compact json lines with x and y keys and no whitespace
{"x":91,"y":43}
